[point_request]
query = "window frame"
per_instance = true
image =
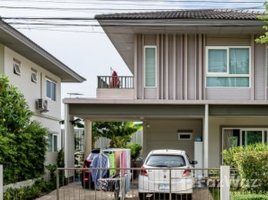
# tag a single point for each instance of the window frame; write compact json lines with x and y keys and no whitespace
{"x":54,"y":82}
{"x":17,"y":63}
{"x":34,"y":72}
{"x":241,"y":129}
{"x":185,"y":133}
{"x":144,"y":63}
{"x":227,"y":74}
{"x":53,"y":136}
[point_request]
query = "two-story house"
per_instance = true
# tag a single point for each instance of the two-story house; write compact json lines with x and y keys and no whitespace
{"x":197,"y":74}
{"x":38,"y":75}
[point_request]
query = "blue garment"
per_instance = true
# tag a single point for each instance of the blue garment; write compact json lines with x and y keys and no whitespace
{"x":100,"y":161}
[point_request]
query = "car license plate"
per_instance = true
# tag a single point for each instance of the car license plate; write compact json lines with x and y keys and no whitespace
{"x":163,"y":187}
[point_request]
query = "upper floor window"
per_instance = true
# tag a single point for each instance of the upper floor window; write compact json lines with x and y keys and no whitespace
{"x":16,"y":67}
{"x":150,"y":66}
{"x":34,"y":76}
{"x":51,"y":89}
{"x":228,"y":67}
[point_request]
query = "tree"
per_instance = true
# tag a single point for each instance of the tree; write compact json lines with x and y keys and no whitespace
{"x":264,"y":38}
{"x":22,"y":141}
{"x":118,"y":132}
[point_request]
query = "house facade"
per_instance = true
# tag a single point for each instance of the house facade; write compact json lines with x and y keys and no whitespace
{"x":38,"y":75}
{"x":197,"y":75}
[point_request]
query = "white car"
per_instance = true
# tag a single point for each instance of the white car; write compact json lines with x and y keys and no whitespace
{"x":154,"y":177}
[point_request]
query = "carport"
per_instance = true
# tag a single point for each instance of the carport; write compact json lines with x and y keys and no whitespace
{"x":162,"y":122}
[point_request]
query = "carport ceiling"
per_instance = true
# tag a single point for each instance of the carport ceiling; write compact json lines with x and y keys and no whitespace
{"x":134,"y":112}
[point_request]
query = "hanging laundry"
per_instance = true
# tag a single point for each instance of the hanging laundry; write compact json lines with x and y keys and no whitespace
{"x":100,"y":161}
{"x":109,"y":184}
{"x":123,"y":163}
{"x":112,"y":161}
{"x":117,"y":161}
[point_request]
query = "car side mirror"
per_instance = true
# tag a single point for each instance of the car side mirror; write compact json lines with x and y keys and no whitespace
{"x":193,"y":162}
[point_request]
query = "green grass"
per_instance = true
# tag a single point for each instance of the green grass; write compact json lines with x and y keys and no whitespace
{"x":215,"y":193}
{"x":250,"y":197}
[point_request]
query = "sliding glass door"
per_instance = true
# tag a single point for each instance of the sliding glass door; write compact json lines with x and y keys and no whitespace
{"x":233,"y":137}
{"x":252,"y":137}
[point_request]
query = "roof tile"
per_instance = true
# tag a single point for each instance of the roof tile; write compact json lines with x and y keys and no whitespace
{"x":186,"y":14}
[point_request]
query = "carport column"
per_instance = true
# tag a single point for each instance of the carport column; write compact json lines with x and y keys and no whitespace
{"x":205,"y":136}
{"x":144,"y":139}
{"x":88,"y":138}
{"x":69,"y":142}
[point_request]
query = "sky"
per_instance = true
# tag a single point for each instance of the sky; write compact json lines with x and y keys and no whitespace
{"x":81,"y":45}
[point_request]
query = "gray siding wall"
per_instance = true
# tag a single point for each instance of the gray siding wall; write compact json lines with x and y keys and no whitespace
{"x":181,"y":70}
{"x":260,"y":69}
{"x":163,"y":134}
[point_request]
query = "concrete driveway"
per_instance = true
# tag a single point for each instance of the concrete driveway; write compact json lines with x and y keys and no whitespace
{"x":74,"y":191}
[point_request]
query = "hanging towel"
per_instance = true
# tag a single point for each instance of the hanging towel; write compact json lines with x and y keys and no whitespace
{"x":112,"y":161}
{"x":123,"y":163}
{"x":117,"y":161}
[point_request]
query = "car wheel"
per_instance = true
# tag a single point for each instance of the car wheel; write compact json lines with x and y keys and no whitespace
{"x":189,"y":196}
{"x":92,"y":185}
{"x":142,"y":196}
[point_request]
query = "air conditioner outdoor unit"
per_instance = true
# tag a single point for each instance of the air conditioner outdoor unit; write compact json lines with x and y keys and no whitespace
{"x":42,"y":105}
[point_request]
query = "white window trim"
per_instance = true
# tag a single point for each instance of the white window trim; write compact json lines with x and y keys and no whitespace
{"x":16,"y":63}
{"x":48,"y":79}
{"x":184,"y":133}
{"x":240,"y":133}
{"x":52,"y":145}
{"x":226,"y":75}
{"x":32,"y":79}
{"x":144,"y":64}
{"x":215,"y":73}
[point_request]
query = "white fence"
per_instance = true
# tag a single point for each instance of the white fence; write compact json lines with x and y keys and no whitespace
{"x":104,"y":142}
{"x":1,"y":182}
{"x":137,"y":188}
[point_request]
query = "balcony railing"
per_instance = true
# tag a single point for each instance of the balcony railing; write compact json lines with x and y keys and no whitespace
{"x":116,"y":82}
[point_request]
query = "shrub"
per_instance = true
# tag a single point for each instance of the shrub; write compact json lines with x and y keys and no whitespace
{"x":253,"y":168}
{"x":228,"y":155}
{"x":250,"y":197}
{"x":22,"y":142}
{"x":27,"y":193}
{"x":52,"y":172}
{"x":135,"y":150}
{"x":252,"y":164}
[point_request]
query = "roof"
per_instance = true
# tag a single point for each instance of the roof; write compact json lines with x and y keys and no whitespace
{"x":19,"y":43}
{"x":186,"y":14}
{"x":122,"y":28}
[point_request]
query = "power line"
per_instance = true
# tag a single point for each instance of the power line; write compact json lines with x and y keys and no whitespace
{"x":135,"y":1}
{"x":97,"y":9}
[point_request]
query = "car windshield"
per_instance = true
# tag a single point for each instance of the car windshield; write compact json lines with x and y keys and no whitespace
{"x":166,"y":161}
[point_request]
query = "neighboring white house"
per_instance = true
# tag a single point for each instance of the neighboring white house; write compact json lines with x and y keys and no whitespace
{"x":38,"y":75}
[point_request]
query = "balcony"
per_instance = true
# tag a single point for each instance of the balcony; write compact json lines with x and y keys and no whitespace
{"x":115,"y":87}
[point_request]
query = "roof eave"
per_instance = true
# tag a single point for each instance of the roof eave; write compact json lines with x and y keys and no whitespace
{"x":66,"y":75}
